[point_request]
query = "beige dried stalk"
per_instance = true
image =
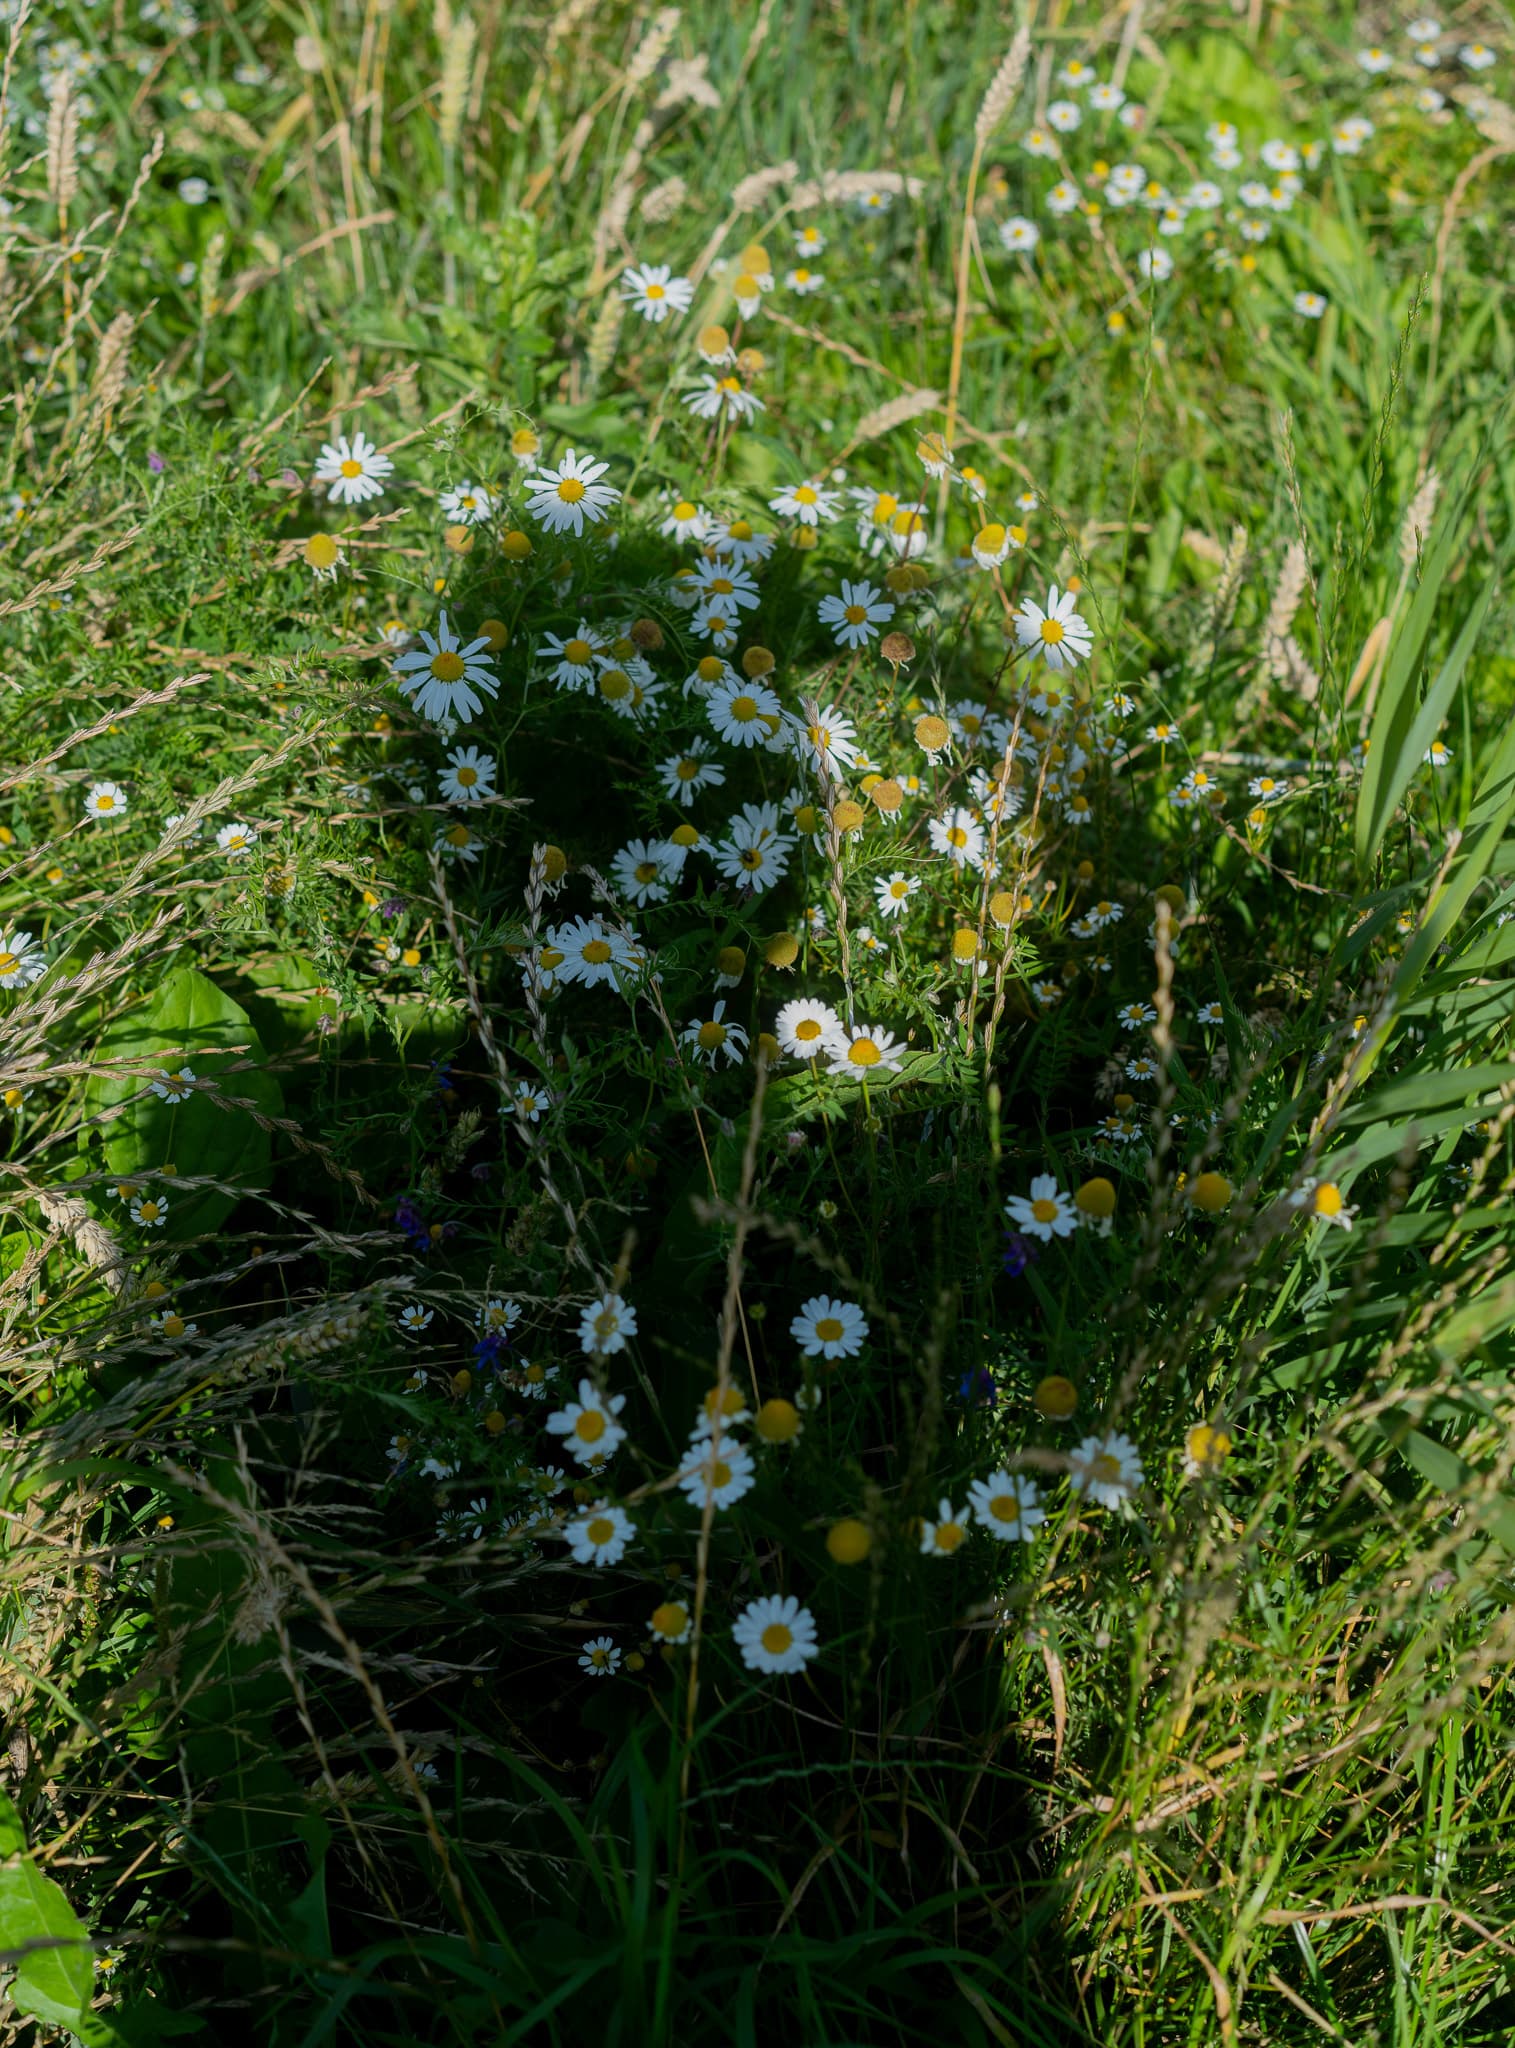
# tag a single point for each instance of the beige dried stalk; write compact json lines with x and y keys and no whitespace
{"x":664,"y":201}
{"x":653,"y":47}
{"x":457,"y":70}
{"x":754,"y":191}
{"x":111,"y":364}
{"x":62,"y":146}
{"x":1417,"y":520}
{"x":607,"y":332}
{"x":1003,"y":87}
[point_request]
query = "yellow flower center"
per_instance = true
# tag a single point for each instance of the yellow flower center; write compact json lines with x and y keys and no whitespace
{"x":351,"y":468}
{"x":655,"y":291}
{"x":1043,"y":1210}
{"x":646,"y":871}
{"x":808,"y":1030}
{"x":855,"y":614}
{"x":828,"y":1329}
{"x":720,"y":1475}
{"x":8,"y":963}
{"x":956,"y":836}
{"x":149,"y":1212}
{"x":599,"y":1531}
{"x":752,"y":859}
{"x":570,"y":490}
{"x":590,"y":1426}
{"x":579,"y":652}
{"x":777,"y":1638}
{"x":1005,"y":1507}
{"x":173,"y":1326}
{"x":1052,"y":631}
{"x":597,"y":952}
{"x":711,"y":1035}
{"x":1328,"y":1200}
{"x":467,"y":777}
{"x":1105,"y":1469}
{"x":899,"y":891}
{"x":744,"y":709}
{"x":721,"y":585}
{"x":447,"y":666}
{"x":615,"y":684}
{"x":457,"y":835}
{"x":863,"y":1053}
{"x":805,"y":495}
{"x":739,"y":529}
{"x":105,"y":801}
{"x":949,"y":1535}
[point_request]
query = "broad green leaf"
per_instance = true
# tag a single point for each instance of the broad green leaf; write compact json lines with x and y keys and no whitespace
{"x":1442,"y":1468}
{"x":42,"y":1935}
{"x":190,"y":1022}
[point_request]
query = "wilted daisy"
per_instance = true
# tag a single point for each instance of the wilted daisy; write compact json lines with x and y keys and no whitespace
{"x":1008,"y":1506}
{"x":776,"y":1636}
{"x":714,"y":1037}
{"x":714,"y":396}
{"x":827,"y":1328}
{"x":600,"y":1535}
{"x":600,"y":1657}
{"x":893,"y":892}
{"x":467,"y":504}
{"x":443,"y":676}
{"x":806,"y":1028}
{"x":352,"y":470}
{"x":605,"y":1324}
{"x":105,"y":800}
{"x":943,"y":1536}
{"x":717,"y":1473}
{"x":21,"y":959}
{"x":860,"y":1048}
{"x":588,"y":1426}
{"x":743,"y":713}
{"x":856,"y":615}
{"x":1019,"y":234}
{"x":1106,"y":1468}
{"x":174,"y":1087}
{"x":1055,"y":631}
{"x":808,"y":502}
{"x":1045,"y":1213}
{"x":655,"y":292}
{"x":468,"y":777}
{"x":565,"y":497}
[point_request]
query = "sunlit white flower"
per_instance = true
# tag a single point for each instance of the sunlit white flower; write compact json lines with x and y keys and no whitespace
{"x":689,"y":771}
{"x":575,"y":657}
{"x":859,"y":1049}
{"x":174,"y":1087}
{"x":808,"y":502}
{"x":743,"y":713}
{"x":468,"y":777}
{"x":856,"y":615}
{"x":352,"y":470}
{"x":105,"y":800}
{"x":960,"y":836}
{"x":1309,"y":305}
{"x":893,"y":892}
{"x":467,"y":504}
{"x":1008,"y":1506}
{"x":776,"y":1636}
{"x":565,"y":497}
{"x":1055,"y":632}
{"x":807,"y":1028}
{"x":443,"y":677}
{"x":655,"y":292}
{"x":1047,"y":1212}
{"x":21,"y":959}
{"x":1106,"y":1468}
{"x":1019,"y":234}
{"x":729,"y":395}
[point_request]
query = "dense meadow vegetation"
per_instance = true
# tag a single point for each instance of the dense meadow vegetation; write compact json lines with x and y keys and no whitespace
{"x":755,"y":1024}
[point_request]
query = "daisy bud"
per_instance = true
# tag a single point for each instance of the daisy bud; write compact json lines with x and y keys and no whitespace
{"x":848,"y":1542}
{"x":731,"y":961}
{"x":1096,"y":1197}
{"x":782,"y":950}
{"x":1212,"y":1193}
{"x":751,"y":362}
{"x":847,"y":816}
{"x":714,"y":344}
{"x":804,"y":537}
{"x":515,"y":546}
{"x":777,"y":1422}
{"x":457,"y":539}
{"x":496,"y":632}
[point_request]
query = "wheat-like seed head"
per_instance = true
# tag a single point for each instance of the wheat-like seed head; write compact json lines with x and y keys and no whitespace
{"x":457,"y":68}
{"x":653,"y":47}
{"x":111,"y":362}
{"x":664,"y":201}
{"x":754,"y":191}
{"x":894,"y":412}
{"x":1417,"y":521}
{"x":1003,"y":86}
{"x":62,"y":144}
{"x":607,"y":330}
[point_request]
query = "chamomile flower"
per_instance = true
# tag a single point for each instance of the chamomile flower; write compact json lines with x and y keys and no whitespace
{"x":21,"y":959}
{"x":754,"y":854}
{"x":671,"y":1622}
{"x":726,"y":584}
{"x":600,"y":1657}
{"x":443,"y":677}
{"x":829,"y":739}
{"x":827,"y":1328}
{"x":1047,"y":1212}
{"x":1325,"y":1202}
{"x":714,"y":396}
{"x":1064,"y":116}
{"x":1063,"y":198}
{"x":105,"y":800}
{"x":807,"y":502}
{"x":415,"y":1317}
{"x":1055,"y":632}
{"x":1206,"y":1449}
{"x":743,"y":713}
{"x":468,"y":777}
{"x":1309,"y":305}
{"x":807,"y":1028}
{"x":776,"y":1636}
{"x":715,"y":1038}
{"x":856,"y":615}
{"x":685,"y":521}
{"x":859,"y":1049}
{"x":1106,"y":1468}
{"x":1008,"y":1506}
{"x":717,"y":1474}
{"x":741,"y":541}
{"x":1375,"y":60}
{"x":641,"y":872}
{"x":567,"y":497}
{"x":588,"y":1426}
{"x":605,"y":1324}
{"x":1155,"y":265}
{"x":236,"y":840}
{"x":717,"y":620}
{"x":947,"y":1533}
{"x":575,"y":658}
{"x":1476,"y":57}
{"x":601,"y":1535}
{"x":960,"y":836}
{"x":591,"y":953}
{"x":690,"y":771}
{"x":1106,"y":99}
{"x":1018,"y":234}
{"x":893,"y":892}
{"x":654,"y":292}
{"x":804,"y":283}
{"x":456,"y":842}
{"x":1209,"y":1013}
{"x":1437,"y":755}
{"x":352,"y":471}
{"x":1132,"y":1016}
{"x":467,"y":504}
{"x":174,"y":1087}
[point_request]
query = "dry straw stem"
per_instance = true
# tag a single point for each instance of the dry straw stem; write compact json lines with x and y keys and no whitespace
{"x":66,"y":581}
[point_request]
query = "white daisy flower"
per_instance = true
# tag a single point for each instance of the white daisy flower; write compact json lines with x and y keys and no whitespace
{"x":726,"y":584}
{"x":719,"y":1474}
{"x":856,"y":615}
{"x":600,"y":1657}
{"x":893,"y":892}
{"x":829,"y":739}
{"x":575,"y":658}
{"x":352,"y":470}
{"x":641,"y":872}
{"x":468,"y":777}
{"x":1020,"y":235}
{"x":530,"y":1100}
{"x":1055,"y":632}
{"x":729,"y":395}
{"x":1008,"y":1506}
{"x":743,"y":713}
{"x":235,"y":840}
{"x":150,"y":1211}
{"x":741,"y":541}
{"x":443,"y":677}
{"x":710,"y":1039}
{"x":693,"y":769}
{"x":174,"y":1087}
{"x":605,"y":1324}
{"x":1107,"y":1468}
{"x":591,"y":953}
{"x":589,"y":1426}
{"x":807,"y":502}
{"x":806,"y":1028}
{"x":1045,"y":1213}
{"x":776,"y":1636}
{"x":685,"y":521}
{"x":859,"y":1048}
{"x":415,"y":1316}
{"x":467,"y":504}
{"x":827,"y":1328}
{"x":565,"y":497}
{"x":21,"y":959}
{"x":655,"y":292}
{"x":601,"y":1535}
{"x":1309,"y":305}
{"x":960,"y":836}
{"x":943,"y":1536}
{"x":105,"y":800}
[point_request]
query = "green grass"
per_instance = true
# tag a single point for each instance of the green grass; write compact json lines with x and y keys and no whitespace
{"x":294,"y":1756}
